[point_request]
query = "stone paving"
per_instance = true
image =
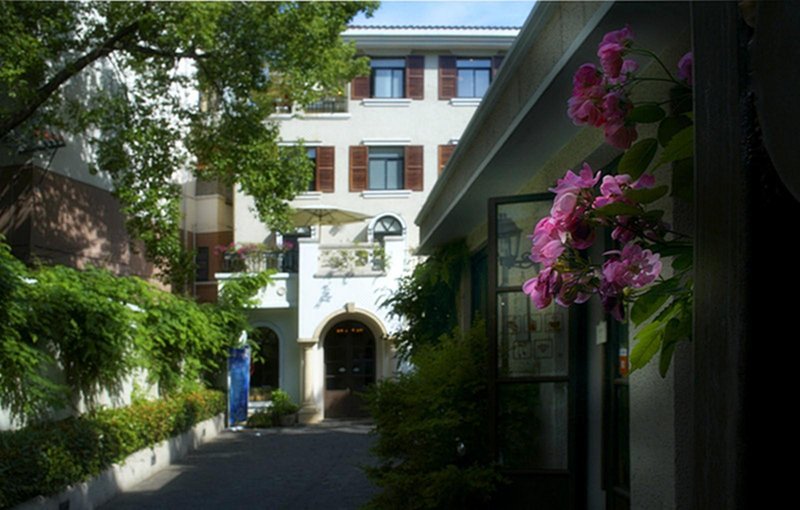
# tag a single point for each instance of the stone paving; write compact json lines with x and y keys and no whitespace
{"x":301,"y":467}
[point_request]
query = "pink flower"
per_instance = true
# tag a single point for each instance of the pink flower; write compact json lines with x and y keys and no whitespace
{"x":547,"y":241}
{"x":574,"y":182}
{"x":629,"y":67}
{"x":620,"y":136}
{"x":542,"y":288}
{"x":611,"y":298}
{"x":612,"y":189}
{"x":587,"y":94}
{"x":575,"y":288}
{"x":611,"y":49}
{"x":622,"y":36}
{"x":633,"y":267}
{"x":686,"y":68}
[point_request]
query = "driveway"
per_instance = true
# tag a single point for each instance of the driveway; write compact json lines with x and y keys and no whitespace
{"x":301,"y":467}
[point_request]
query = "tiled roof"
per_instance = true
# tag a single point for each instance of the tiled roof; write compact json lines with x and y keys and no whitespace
{"x":433,"y":27}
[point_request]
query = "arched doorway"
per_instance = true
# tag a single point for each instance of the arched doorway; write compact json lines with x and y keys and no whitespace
{"x":349,"y":369}
{"x":265,"y":368}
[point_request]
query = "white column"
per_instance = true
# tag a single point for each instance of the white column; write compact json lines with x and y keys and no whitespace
{"x":309,"y":411}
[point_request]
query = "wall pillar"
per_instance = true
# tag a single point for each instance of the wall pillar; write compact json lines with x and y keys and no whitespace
{"x":310,"y":412}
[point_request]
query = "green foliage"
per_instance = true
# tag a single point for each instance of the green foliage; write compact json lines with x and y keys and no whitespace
{"x":281,"y":405}
{"x":95,"y":328}
{"x":241,"y":56}
{"x":427,"y":300}
{"x":44,"y":458}
{"x":636,"y":159}
{"x":421,"y":419}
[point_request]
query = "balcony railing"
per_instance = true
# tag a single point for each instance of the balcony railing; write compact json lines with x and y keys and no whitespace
{"x":328,"y":105}
{"x":282,"y":261}
{"x":353,"y":260}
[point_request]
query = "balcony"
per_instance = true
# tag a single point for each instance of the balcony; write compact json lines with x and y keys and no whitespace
{"x":328,"y":105}
{"x":352,"y":260}
{"x":254,"y":262}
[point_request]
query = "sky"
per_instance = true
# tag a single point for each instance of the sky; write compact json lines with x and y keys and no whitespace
{"x":446,"y":12}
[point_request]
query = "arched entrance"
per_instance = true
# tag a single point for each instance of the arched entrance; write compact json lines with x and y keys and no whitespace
{"x":265,"y":368}
{"x":349,"y":368}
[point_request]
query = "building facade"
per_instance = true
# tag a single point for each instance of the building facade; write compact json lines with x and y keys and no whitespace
{"x":378,"y":150}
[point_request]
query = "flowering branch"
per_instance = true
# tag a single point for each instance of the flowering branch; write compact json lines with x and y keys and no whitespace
{"x":629,"y":277}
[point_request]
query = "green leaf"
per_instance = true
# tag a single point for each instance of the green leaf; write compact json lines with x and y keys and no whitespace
{"x":646,"y":114}
{"x":683,"y":179}
{"x":671,"y":126}
{"x":618,"y":209}
{"x":682,"y":262}
{"x":646,"y":305}
{"x":636,"y":159}
{"x":677,"y":329}
{"x":665,"y":359}
{"x":646,"y":195}
{"x":681,"y":146}
{"x":648,"y":343}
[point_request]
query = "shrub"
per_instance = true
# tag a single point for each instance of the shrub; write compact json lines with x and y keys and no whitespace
{"x":281,"y":405}
{"x":432,"y":427}
{"x":46,"y":457}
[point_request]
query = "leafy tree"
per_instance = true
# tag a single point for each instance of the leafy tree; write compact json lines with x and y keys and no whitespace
{"x":122,"y":74}
{"x":427,"y":299}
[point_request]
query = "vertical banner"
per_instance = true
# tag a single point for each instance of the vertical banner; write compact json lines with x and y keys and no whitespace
{"x":238,"y":384}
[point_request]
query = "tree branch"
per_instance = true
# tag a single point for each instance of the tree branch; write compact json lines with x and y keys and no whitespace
{"x":45,"y":91}
{"x":169,"y":54}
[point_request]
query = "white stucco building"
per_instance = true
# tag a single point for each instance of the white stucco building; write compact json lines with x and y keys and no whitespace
{"x":378,"y":152}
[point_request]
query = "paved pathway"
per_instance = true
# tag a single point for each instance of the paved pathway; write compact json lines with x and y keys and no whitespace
{"x":302,"y":467}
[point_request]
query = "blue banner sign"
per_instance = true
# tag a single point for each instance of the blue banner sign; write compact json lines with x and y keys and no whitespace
{"x":238,"y":384}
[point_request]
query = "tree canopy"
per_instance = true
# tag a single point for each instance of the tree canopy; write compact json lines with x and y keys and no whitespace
{"x":125,"y":76}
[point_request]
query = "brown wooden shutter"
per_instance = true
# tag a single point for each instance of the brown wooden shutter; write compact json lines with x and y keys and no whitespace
{"x":445,"y":151}
{"x":496,"y":62}
{"x":360,"y":87}
{"x":413,"y":168}
{"x":359,"y":160}
{"x":325,"y":169}
{"x":447,"y":77}
{"x":415,"y":77}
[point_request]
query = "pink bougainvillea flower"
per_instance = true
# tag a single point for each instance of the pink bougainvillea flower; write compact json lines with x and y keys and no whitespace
{"x":581,"y":232}
{"x":573,"y":182}
{"x":686,"y":68}
{"x":632,"y":267}
{"x":587,"y":96}
{"x":612,"y":48}
{"x":626,"y":71}
{"x":620,"y":136}
{"x":542,"y":288}
{"x":564,"y":206}
{"x":547,"y":242}
{"x":612,"y":189}
{"x":575,"y":288}
{"x":622,"y":36}
{"x":585,"y":110}
{"x":611,"y":298}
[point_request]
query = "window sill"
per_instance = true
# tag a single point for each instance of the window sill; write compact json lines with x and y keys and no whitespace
{"x":309,"y":195}
{"x":386,"y":193}
{"x":465,"y":101}
{"x":387,"y":101}
{"x":327,"y":116}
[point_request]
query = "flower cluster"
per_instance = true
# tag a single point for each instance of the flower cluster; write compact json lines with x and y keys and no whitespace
{"x":577,"y":212}
{"x":599,"y":97}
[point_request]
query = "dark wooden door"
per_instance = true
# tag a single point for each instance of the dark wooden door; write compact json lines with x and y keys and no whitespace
{"x":349,"y":369}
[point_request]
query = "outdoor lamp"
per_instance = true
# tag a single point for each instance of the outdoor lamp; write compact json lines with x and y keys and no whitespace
{"x":508,"y":240}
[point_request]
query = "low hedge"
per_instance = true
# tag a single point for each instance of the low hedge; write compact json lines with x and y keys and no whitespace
{"x":47,"y":457}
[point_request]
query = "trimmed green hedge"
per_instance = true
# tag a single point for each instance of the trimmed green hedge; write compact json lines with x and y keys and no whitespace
{"x":47,"y":457}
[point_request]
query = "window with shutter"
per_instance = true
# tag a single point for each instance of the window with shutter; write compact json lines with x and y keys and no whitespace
{"x":414,"y":168}
{"x":415,"y":77}
{"x":445,"y":151}
{"x":358,"y":167}
{"x":447,"y":77}
{"x":325,"y":169}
